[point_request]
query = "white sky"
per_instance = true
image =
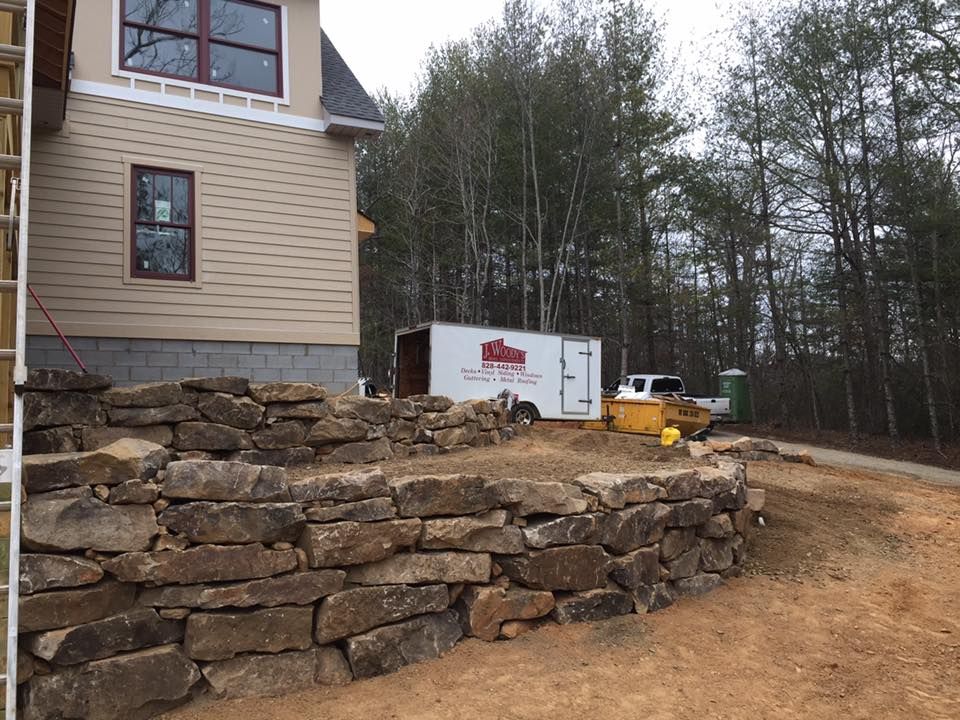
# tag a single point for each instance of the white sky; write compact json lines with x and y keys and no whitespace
{"x":384,"y":41}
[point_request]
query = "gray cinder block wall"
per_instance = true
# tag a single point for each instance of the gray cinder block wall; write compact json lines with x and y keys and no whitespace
{"x":129,"y":360}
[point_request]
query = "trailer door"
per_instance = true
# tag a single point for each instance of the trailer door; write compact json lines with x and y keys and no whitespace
{"x":576,"y":364}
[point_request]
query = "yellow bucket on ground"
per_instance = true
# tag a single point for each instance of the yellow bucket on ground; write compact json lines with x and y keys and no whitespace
{"x":650,"y":417}
{"x":669,"y":437}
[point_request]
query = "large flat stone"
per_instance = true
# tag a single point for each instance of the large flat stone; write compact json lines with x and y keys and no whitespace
{"x":62,"y":608}
{"x":297,"y":589}
{"x":355,"y":611}
{"x":146,"y":395}
{"x":313,"y":410}
{"x":221,"y":635}
{"x":123,"y":460}
{"x":362,"y":453}
{"x":287,"y":392}
{"x":466,"y":434}
{"x":387,"y":649}
{"x":290,"y":457}
{"x":454,"y":417}
{"x":679,"y":484}
{"x":405,"y":409}
{"x":565,"y":530}
{"x":488,"y":532}
{"x":370,"y":410}
{"x":715,"y":481}
{"x":432,"y":403}
{"x":48,"y":572}
{"x":677,"y":541}
{"x":52,"y":409}
{"x":341,"y":487}
{"x":690,"y":513}
{"x":424,"y":568}
{"x":133,"y":686}
{"x":232,"y":385}
{"x":592,"y":605}
{"x":484,"y":609}
{"x":233,"y":410}
{"x":351,"y":543}
{"x":54,"y":379}
{"x":616,"y":490}
{"x":95,"y":438}
{"x":650,"y":598}
{"x":207,"y":563}
{"x":229,"y":523}
{"x":335,"y":431}
{"x":280,"y":436}
{"x":632,"y":528}
{"x":130,"y":630}
{"x":363,"y":511}
{"x":225,"y":482}
{"x":527,"y":497}
{"x":576,"y":567}
{"x":79,"y":521}
{"x":210,"y":436}
{"x":716,"y":555}
{"x":429,"y":495}
{"x":276,"y":675}
{"x":641,"y":567}
{"x":54,"y":440}
{"x":685,"y":565}
{"x":140,"y":417}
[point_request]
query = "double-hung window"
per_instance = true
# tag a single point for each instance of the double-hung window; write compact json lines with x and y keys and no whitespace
{"x":228,"y":43}
{"x":163,"y":235}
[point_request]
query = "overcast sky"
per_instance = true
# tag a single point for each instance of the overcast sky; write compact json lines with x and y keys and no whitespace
{"x":384,"y":41}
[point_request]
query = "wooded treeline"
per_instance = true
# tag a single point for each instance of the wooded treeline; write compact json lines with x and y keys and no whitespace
{"x":801,"y":223}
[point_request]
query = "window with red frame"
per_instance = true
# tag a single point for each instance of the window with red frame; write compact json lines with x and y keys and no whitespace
{"x":163,"y":225}
{"x":230,"y":43}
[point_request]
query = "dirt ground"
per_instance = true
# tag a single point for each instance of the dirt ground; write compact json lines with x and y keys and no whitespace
{"x":850,"y":608}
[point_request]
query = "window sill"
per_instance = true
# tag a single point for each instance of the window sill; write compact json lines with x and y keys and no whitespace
{"x":163,"y":284}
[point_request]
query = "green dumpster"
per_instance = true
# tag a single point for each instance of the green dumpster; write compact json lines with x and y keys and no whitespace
{"x":734,"y":385}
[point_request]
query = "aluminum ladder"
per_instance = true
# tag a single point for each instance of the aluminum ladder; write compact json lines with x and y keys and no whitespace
{"x":16,"y":219}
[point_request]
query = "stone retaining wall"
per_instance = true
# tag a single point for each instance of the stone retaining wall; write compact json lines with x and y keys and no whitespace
{"x":148,"y":582}
{"x":281,"y":424}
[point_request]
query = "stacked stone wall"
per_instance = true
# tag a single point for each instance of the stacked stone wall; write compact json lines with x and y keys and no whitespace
{"x":280,"y":423}
{"x":148,"y":582}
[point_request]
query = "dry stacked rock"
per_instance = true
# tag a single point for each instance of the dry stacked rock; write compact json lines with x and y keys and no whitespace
{"x":282,"y":424}
{"x":148,"y":581}
{"x":748,"y":449}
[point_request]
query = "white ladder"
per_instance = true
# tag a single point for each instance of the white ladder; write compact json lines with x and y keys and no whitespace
{"x":11,"y":459}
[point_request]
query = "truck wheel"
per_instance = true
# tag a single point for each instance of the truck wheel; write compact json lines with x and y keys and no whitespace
{"x":524,"y":414}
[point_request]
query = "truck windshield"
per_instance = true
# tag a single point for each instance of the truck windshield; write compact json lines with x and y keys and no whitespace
{"x":666,"y":386}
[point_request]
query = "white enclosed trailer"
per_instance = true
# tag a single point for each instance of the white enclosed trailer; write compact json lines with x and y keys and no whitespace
{"x":549,"y":376}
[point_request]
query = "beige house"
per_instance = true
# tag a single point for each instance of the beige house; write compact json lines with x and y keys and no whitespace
{"x":195,"y":212}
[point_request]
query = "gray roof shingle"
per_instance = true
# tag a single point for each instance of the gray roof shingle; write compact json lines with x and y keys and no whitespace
{"x":342,"y":92}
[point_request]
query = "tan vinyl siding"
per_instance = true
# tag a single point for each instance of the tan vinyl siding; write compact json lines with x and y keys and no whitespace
{"x":277,"y":257}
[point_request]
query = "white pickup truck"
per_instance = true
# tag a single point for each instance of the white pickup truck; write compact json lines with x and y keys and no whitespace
{"x":645,"y":387}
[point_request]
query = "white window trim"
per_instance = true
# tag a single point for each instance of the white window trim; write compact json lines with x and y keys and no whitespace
{"x":195,"y":86}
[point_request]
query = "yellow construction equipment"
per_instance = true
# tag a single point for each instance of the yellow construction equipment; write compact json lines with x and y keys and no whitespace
{"x":650,"y":417}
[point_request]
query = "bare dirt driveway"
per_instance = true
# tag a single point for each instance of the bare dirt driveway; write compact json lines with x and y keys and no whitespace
{"x":850,"y":609}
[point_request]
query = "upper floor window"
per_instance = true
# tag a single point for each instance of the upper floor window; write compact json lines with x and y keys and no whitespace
{"x":231,"y":43}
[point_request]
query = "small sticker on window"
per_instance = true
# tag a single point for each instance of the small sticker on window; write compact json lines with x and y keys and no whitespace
{"x":162,"y":211}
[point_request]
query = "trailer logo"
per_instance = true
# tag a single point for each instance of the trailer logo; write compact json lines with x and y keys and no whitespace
{"x":497,"y":352}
